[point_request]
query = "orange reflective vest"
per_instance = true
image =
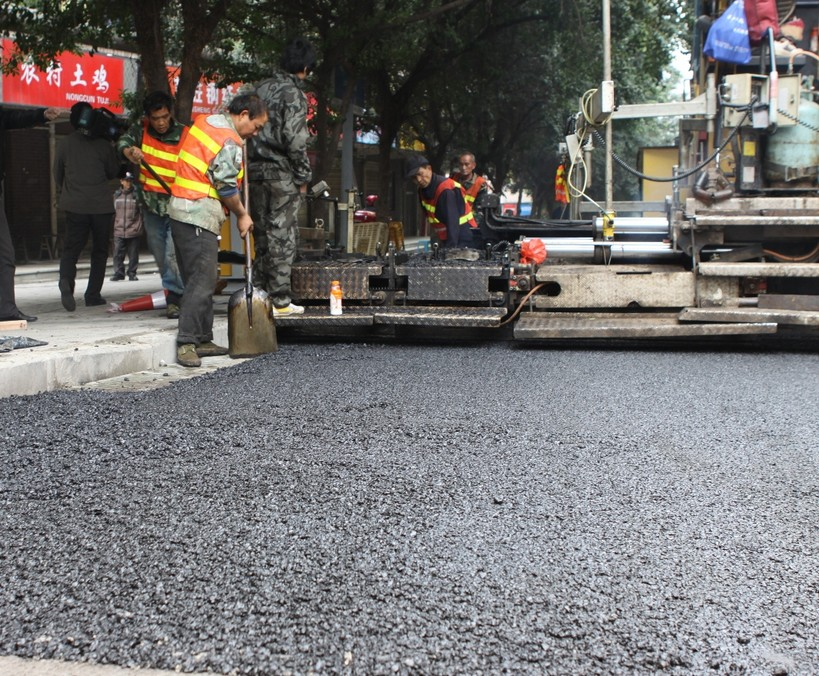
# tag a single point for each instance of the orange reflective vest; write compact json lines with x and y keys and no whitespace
{"x":472,"y":192}
{"x":429,"y":205}
{"x":197,"y":148}
{"x":561,"y":188}
{"x":162,"y":158}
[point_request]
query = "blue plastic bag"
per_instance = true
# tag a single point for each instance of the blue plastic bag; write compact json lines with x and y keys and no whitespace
{"x":728,"y":38}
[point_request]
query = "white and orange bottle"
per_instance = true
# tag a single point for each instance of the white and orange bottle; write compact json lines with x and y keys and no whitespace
{"x":335,"y":297}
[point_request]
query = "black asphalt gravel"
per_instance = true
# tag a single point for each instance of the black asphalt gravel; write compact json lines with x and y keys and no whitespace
{"x":378,"y":509}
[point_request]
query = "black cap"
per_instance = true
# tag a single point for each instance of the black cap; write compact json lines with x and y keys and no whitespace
{"x":414,"y":163}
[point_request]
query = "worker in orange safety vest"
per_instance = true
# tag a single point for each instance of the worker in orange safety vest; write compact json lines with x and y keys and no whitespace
{"x":476,"y":187}
{"x":447,"y":210}
{"x":209,"y":175}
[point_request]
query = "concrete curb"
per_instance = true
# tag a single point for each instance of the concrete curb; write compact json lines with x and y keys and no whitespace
{"x":73,"y":366}
{"x":17,"y":666}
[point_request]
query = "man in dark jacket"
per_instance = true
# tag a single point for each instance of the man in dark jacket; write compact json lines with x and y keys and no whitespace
{"x":82,"y":170}
{"x":13,"y":119}
{"x":448,"y":213}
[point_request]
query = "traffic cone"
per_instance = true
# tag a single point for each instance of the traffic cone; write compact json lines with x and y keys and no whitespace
{"x":152,"y":301}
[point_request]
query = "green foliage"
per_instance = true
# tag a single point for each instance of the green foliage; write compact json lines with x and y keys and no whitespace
{"x":499,"y":78}
{"x":44,"y":28}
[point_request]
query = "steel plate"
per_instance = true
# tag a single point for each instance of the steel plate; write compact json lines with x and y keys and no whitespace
{"x":536,"y":326}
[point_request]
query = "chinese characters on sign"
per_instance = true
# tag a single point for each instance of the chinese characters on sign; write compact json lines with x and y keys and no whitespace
{"x":96,"y":79}
{"x":208,"y":98}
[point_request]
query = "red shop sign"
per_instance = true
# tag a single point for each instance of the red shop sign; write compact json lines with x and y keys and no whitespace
{"x":208,"y":98}
{"x":97,"y":79}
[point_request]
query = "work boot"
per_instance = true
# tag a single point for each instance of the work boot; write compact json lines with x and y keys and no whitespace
{"x":287,"y":310}
{"x":117,"y":278}
{"x":211,"y":349}
{"x":67,"y":295}
{"x":173,"y":311}
{"x":94,"y":300}
{"x":186,"y":355}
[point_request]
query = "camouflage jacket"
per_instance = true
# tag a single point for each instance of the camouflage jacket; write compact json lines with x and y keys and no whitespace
{"x":155,"y":202}
{"x":279,"y":152}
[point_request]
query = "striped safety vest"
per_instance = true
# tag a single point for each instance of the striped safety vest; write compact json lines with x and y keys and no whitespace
{"x":429,"y":205}
{"x":471,"y":193}
{"x":561,"y":187}
{"x":199,"y":145}
{"x":162,"y":158}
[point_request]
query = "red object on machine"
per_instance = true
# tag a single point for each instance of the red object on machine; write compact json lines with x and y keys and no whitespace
{"x":364,"y":216}
{"x":532,"y":251}
{"x":152,"y":301}
{"x":761,"y":15}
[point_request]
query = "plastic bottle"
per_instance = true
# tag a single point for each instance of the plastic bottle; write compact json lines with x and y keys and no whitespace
{"x":814,"y":39}
{"x":335,"y":297}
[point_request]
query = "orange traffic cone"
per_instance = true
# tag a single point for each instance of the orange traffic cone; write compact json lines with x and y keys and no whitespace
{"x":152,"y":301}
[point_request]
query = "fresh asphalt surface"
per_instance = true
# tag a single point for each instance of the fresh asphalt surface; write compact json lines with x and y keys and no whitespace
{"x":374,"y":509}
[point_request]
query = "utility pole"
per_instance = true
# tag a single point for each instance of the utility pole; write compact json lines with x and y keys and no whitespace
{"x":607,"y":78}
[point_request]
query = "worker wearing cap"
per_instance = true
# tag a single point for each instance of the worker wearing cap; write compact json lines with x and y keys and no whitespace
{"x":447,"y":210}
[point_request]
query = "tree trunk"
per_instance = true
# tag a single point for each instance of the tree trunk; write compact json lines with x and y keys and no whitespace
{"x":199,"y":23}
{"x":148,"y":26}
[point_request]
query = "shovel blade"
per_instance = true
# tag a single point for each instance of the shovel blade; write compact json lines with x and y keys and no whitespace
{"x":250,"y":337}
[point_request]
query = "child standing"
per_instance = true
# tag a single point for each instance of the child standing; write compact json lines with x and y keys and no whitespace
{"x":127,"y":229}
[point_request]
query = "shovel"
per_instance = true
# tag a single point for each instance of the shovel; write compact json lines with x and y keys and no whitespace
{"x":158,"y":178}
{"x":251,"y":330}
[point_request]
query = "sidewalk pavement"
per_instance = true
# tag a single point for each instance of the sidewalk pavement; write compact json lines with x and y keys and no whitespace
{"x":94,"y":347}
{"x":93,"y":344}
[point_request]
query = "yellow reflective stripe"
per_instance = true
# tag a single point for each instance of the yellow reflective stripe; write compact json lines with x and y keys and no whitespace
{"x":158,"y":153}
{"x":465,"y":218}
{"x":469,"y":198}
{"x":202,"y":187}
{"x":196,"y":162}
{"x":205,"y":140}
{"x":164,"y":171}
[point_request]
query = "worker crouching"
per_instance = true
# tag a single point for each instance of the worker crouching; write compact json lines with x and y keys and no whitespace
{"x":448,"y":213}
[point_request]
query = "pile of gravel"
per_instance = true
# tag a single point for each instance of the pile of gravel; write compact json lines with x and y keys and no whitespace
{"x":400,"y":509}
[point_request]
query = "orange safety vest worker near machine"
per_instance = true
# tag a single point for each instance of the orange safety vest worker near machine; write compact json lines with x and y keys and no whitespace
{"x":447,"y":209}
{"x":208,"y":175}
{"x":561,"y":187}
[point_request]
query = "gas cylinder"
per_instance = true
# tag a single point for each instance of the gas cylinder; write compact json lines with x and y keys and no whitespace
{"x":793,"y":151}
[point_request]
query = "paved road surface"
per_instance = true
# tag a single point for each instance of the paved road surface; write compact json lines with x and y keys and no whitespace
{"x":374,"y":509}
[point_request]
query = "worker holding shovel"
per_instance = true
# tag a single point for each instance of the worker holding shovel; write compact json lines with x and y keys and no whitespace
{"x":209,"y":172}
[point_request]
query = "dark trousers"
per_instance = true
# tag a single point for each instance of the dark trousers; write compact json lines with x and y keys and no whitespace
{"x":197,"y":253}
{"x":7,"y":305}
{"x":123,"y":245}
{"x":77,"y":229}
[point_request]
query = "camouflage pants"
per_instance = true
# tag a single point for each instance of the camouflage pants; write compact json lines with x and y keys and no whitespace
{"x":276,"y":235}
